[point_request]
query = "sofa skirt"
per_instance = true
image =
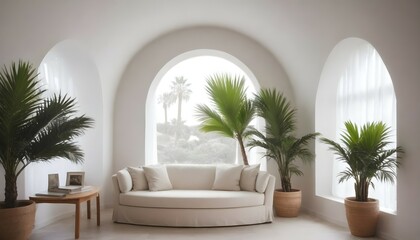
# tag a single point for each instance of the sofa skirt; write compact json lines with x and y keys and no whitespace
{"x":192,"y":217}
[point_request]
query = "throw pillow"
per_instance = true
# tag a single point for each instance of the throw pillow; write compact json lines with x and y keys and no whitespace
{"x":262,"y":182}
{"x":157,"y":178}
{"x":227,"y":177}
{"x":139,"y":178}
{"x":124,"y":181}
{"x":249,"y":177}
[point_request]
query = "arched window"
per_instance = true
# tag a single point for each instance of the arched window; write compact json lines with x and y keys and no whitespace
{"x":178,"y":92}
{"x":362,"y":92}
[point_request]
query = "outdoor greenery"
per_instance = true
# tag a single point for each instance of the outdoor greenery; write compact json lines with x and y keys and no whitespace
{"x":180,"y":143}
{"x":181,"y":90}
{"x":367,"y":154}
{"x":227,"y":118}
{"x":34,"y":128}
{"x":230,"y":112}
{"x":193,"y":146}
{"x":167,"y":99}
{"x":278,"y":139}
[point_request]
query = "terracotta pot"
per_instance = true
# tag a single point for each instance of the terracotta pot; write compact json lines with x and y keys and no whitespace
{"x":362,"y":217}
{"x":17,"y":223}
{"x":287,"y":204}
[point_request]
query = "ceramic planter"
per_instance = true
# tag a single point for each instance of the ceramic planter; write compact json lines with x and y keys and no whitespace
{"x":17,"y":223}
{"x":362,"y":217}
{"x":287,"y":204}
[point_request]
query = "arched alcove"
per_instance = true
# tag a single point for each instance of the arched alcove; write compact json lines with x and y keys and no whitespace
{"x":67,"y":68}
{"x":130,"y":141}
{"x":355,"y":85}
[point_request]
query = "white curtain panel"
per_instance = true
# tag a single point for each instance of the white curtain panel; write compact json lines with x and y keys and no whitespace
{"x":365,"y":93}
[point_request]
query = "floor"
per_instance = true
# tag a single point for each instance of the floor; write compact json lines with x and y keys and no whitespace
{"x":300,"y":228}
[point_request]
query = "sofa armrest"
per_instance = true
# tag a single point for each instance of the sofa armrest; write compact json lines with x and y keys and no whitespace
{"x":269,"y":197}
{"x":116,"y":189}
{"x":269,"y":191}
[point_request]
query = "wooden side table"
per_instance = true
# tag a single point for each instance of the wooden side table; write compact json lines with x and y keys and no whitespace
{"x":76,"y":199}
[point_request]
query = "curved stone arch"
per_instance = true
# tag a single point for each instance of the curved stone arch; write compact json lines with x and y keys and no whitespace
{"x":197,"y":53}
{"x":130,"y":122}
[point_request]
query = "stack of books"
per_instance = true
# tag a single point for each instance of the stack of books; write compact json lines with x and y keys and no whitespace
{"x":62,"y":191}
{"x":66,"y":189}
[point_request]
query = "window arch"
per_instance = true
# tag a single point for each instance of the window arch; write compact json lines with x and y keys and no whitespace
{"x":355,"y":85}
{"x":174,"y":133}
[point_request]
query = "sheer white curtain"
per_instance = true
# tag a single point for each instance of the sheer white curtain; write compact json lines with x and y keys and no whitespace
{"x":365,"y":93}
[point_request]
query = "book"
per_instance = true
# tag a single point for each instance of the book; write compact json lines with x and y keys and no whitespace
{"x":84,"y":189}
{"x":66,"y":189}
{"x":50,"y":194}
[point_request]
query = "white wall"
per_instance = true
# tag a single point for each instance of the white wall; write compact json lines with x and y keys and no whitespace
{"x":299,"y":34}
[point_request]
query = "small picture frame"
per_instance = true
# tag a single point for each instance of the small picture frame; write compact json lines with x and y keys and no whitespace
{"x":53,"y":181}
{"x":75,"y":179}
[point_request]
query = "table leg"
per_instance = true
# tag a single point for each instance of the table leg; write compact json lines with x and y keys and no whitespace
{"x":77,"y":222}
{"x":98,"y":211}
{"x":88,"y":209}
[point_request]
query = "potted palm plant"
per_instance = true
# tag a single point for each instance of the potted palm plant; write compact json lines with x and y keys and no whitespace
{"x":368,"y":156}
{"x":32,"y":129}
{"x":231,"y":110}
{"x":282,"y":146}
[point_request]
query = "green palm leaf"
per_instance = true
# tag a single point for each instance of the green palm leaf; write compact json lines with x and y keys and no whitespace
{"x":230,"y":112}
{"x":367,"y":155}
{"x":278,"y":140}
{"x":33,"y":128}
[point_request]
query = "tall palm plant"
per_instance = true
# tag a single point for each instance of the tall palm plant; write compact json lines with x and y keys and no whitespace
{"x":230,"y":112}
{"x":181,"y":89}
{"x":367,"y":155}
{"x":278,"y":140}
{"x":34,"y":128}
{"x":166,"y":99}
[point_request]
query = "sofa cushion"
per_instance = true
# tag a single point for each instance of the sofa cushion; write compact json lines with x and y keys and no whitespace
{"x":157,"y":178}
{"x":124,"y":181}
{"x":139,"y":178}
{"x":192,"y":199}
{"x":249,"y":177}
{"x":227,"y":177}
{"x":262,"y":182}
{"x":181,"y":176}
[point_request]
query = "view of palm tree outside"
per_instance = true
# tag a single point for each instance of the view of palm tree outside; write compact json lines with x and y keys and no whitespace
{"x":181,"y":89}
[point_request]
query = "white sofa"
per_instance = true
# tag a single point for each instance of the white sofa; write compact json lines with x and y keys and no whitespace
{"x":197,"y":195}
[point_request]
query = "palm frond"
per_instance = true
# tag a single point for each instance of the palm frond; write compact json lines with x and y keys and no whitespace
{"x":211,"y":121}
{"x":278,"y":140}
{"x":277,"y":112}
{"x":230,"y":112}
{"x":365,"y":151}
{"x":32,"y":128}
{"x":20,"y":97}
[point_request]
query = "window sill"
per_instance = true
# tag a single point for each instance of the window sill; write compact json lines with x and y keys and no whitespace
{"x":341,"y":200}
